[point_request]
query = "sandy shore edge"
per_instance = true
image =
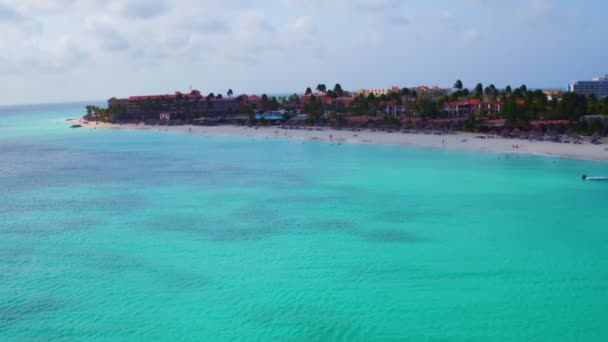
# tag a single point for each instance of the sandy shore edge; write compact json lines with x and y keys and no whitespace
{"x":458,"y":141}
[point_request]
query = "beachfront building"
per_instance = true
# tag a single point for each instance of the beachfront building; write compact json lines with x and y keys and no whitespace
{"x":597,"y":86}
{"x":170,"y":106}
{"x":378,"y":92}
{"x":459,"y":109}
{"x":431,"y":93}
{"x":339,"y":104}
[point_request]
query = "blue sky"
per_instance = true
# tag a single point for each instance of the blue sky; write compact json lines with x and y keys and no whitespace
{"x":69,"y":50}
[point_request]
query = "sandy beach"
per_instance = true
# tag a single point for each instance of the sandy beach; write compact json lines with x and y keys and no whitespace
{"x":457,"y":141}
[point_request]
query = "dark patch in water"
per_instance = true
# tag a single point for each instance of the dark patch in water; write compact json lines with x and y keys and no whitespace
{"x":391,"y":236}
{"x":334,"y":225}
{"x":308,"y":322}
{"x":183,"y":281}
{"x":239,"y":234}
{"x":51,"y":228}
{"x":105,"y":262}
{"x":191,"y":225}
{"x":12,"y":312}
{"x":119,"y":264}
{"x":396,"y":217}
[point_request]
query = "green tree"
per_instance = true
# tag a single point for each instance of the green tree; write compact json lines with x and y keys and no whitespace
{"x":308,"y":91}
{"x":428,"y":108}
{"x":265,"y":102}
{"x":274,"y":103}
{"x":338,"y":91}
{"x":321,"y":88}
{"x":492,"y":92}
{"x":515,"y":114}
{"x":314,"y":109}
{"x":479,"y":90}
{"x":571,"y":107}
{"x":458,"y":85}
{"x":230,"y":93}
{"x":295,"y":100}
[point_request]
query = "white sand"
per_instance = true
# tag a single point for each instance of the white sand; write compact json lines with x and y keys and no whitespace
{"x":460,"y":141}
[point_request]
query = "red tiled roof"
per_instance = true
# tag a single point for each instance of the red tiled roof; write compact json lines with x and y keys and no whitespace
{"x":161,"y":97}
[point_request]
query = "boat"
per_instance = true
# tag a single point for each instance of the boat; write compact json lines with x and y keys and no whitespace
{"x":587,"y":178}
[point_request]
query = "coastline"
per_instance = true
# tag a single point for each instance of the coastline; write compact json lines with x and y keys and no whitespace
{"x":457,"y":141}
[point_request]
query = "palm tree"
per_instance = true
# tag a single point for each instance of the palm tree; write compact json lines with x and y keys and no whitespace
{"x":230,"y":93}
{"x":458,"y":85}
{"x":338,"y":91}
{"x":479,"y":90}
{"x":321,"y":88}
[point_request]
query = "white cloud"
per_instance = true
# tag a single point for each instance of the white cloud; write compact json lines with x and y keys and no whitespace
{"x":148,"y":44}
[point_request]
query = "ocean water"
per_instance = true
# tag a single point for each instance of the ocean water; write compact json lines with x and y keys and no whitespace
{"x":130,"y":235}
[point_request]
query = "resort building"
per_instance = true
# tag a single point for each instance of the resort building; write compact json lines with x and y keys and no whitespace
{"x":597,"y":86}
{"x":170,"y":106}
{"x":552,"y":93}
{"x":464,"y":108}
{"x":378,"y":92}
{"x":338,"y":103}
{"x":431,"y":93}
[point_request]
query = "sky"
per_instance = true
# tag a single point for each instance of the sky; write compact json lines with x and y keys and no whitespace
{"x":79,"y":50}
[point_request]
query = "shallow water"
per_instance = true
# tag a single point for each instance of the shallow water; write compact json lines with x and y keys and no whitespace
{"x":128,"y":235}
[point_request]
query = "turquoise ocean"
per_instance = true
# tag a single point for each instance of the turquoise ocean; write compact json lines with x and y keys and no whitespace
{"x":110,"y":235}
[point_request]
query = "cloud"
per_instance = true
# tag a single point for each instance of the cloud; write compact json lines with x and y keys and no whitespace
{"x":378,"y":5}
{"x":139,"y":9}
{"x":279,"y":43}
{"x":10,"y":18}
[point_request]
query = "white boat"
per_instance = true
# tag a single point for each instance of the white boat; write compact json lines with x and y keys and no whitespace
{"x":587,"y":178}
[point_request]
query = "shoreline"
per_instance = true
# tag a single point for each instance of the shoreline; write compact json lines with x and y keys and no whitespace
{"x":457,"y":141}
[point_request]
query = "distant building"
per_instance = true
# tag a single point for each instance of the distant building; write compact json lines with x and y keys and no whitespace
{"x":464,"y":108}
{"x":431,"y":93}
{"x":170,"y":106}
{"x":378,"y":92}
{"x":597,"y":86}
{"x":552,"y":93}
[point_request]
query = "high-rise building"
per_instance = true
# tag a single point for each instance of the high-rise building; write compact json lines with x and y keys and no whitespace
{"x":597,"y":86}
